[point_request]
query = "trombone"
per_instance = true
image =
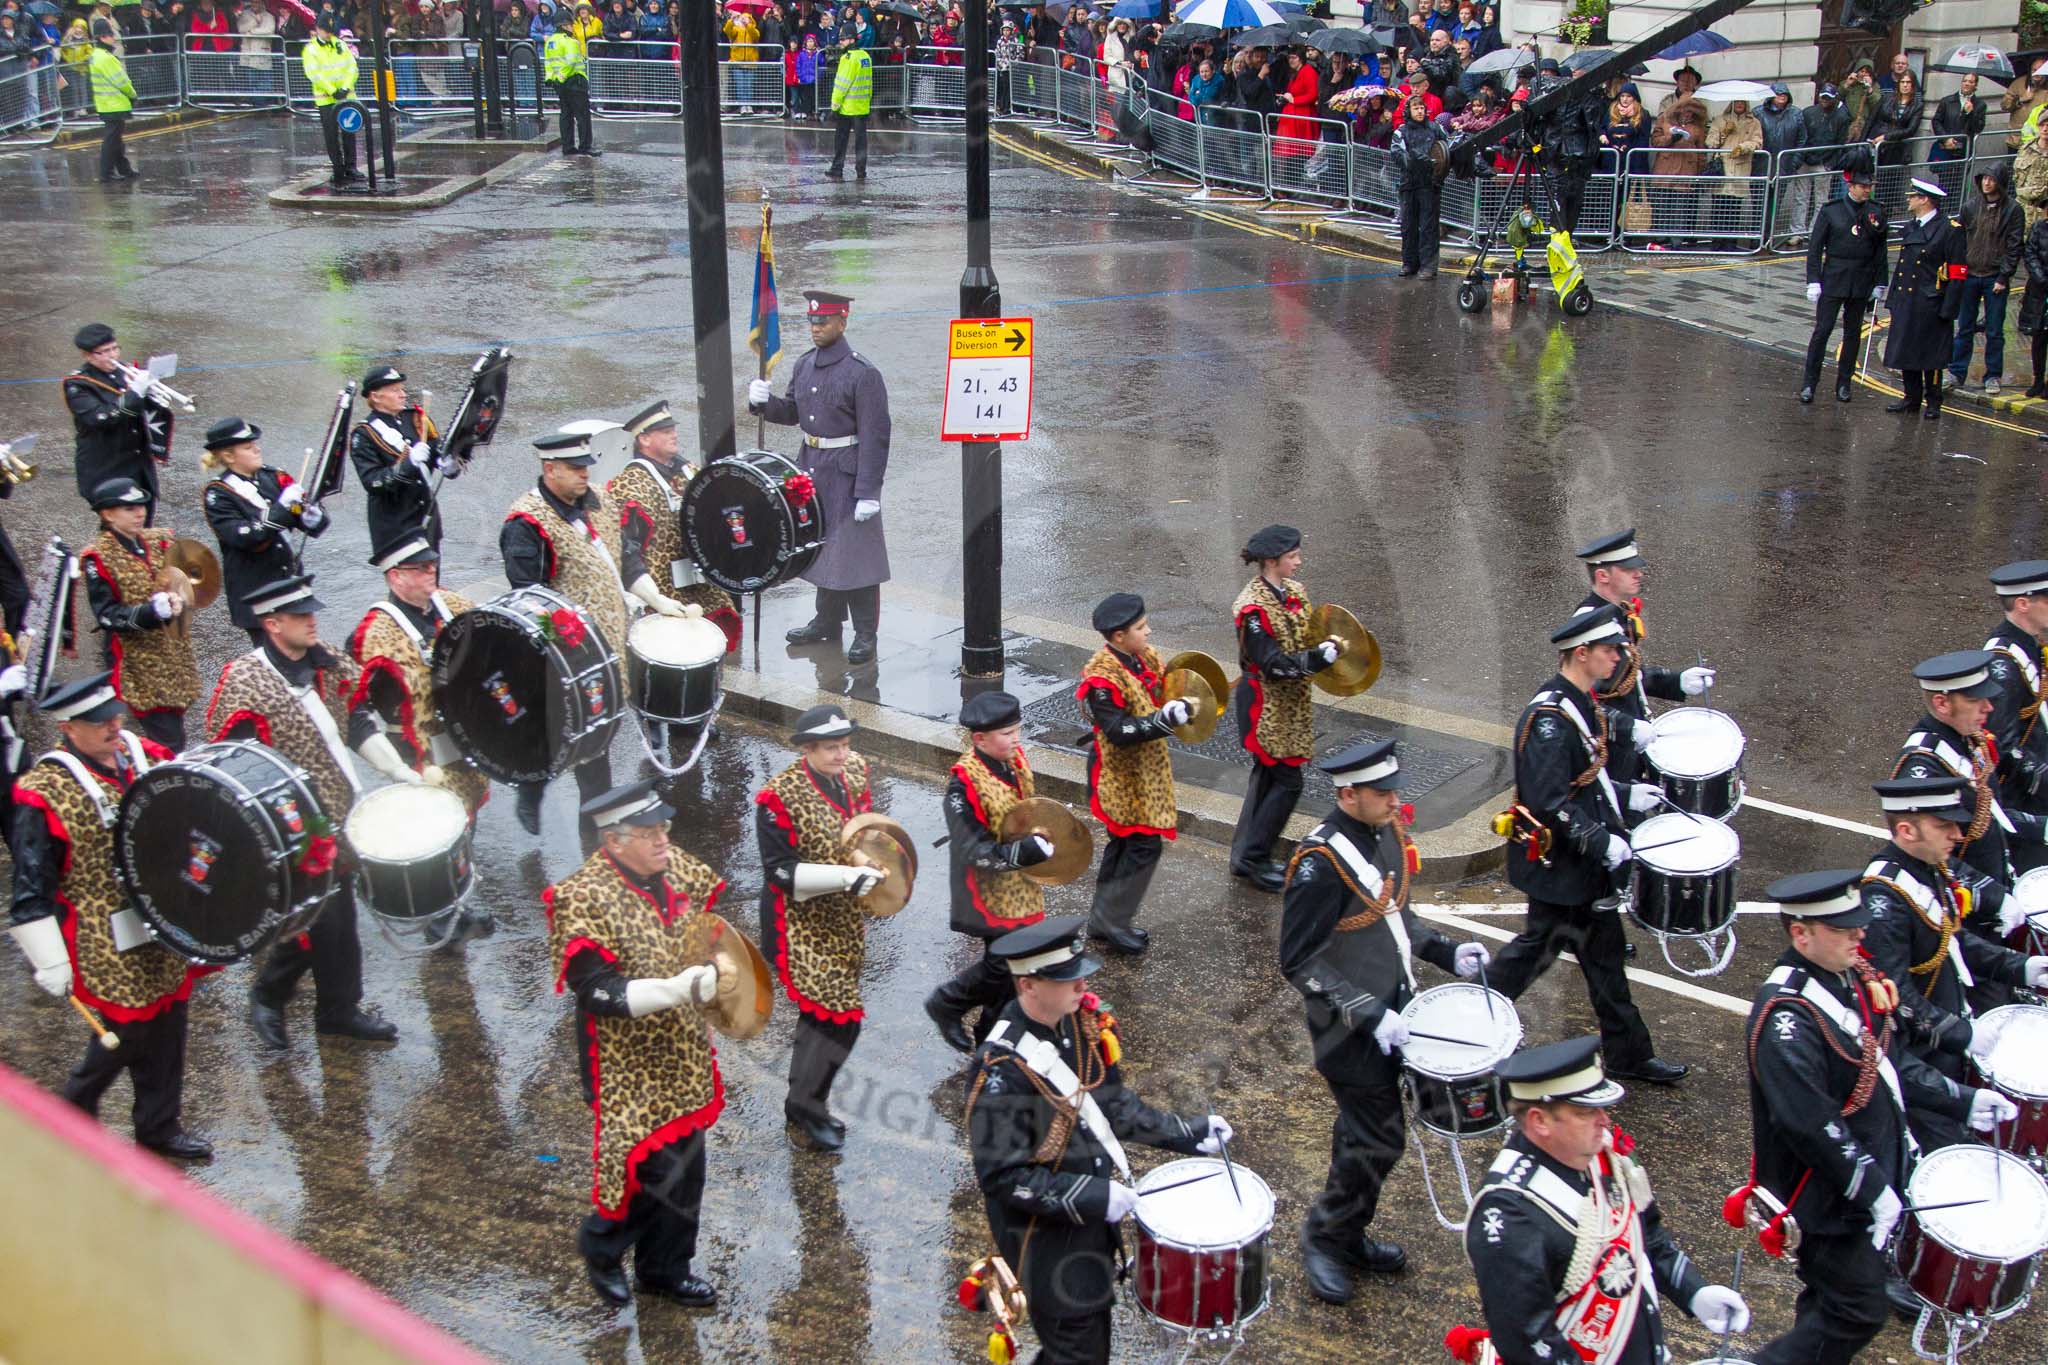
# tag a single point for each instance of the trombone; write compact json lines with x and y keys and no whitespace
{"x":158,"y":392}
{"x":14,"y":470}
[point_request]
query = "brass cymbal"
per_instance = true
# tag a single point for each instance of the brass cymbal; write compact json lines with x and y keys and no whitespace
{"x":877,"y":820}
{"x":1186,"y":684}
{"x":877,"y":841}
{"x":1211,"y":671}
{"x":201,"y":566}
{"x":746,"y":992}
{"x":1073,"y":847}
{"x":1358,"y":667}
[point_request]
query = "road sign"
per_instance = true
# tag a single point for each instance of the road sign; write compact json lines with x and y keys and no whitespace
{"x":988,"y":380}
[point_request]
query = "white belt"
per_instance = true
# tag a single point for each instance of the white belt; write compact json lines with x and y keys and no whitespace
{"x":829,"y":442}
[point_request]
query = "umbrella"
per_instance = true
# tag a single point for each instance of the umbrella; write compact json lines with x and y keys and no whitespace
{"x":1134,"y":9}
{"x":1695,"y":45}
{"x":43,"y":7}
{"x":762,"y":5}
{"x":894,"y":7}
{"x":1753,"y":91}
{"x":1587,"y":58}
{"x":1355,"y":96}
{"x":1974,"y":59}
{"x":1345,"y":42}
{"x":1230,"y":13}
{"x":1501,"y":59}
{"x":1300,"y":25}
{"x":1272,"y":35}
{"x":1190,"y":33}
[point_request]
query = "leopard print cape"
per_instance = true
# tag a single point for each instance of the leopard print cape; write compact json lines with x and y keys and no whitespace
{"x":381,"y":645}
{"x":1282,"y":711}
{"x":125,"y":987}
{"x":655,"y":1079}
{"x":251,"y":688}
{"x":638,"y":492}
{"x":1006,"y":900}
{"x":577,"y":568}
{"x":153,"y":669}
{"x":821,"y":943}
{"x":1130,"y":786}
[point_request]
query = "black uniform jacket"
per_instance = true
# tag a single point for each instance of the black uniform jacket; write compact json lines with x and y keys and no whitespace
{"x":1845,"y":252}
{"x":2022,"y":739}
{"x":1634,"y":704}
{"x":1551,"y":750}
{"x":1938,"y":750}
{"x":1934,"y":1005}
{"x":111,"y":425}
{"x":399,"y":496}
{"x":972,"y":844}
{"x":253,"y":548}
{"x":1923,"y":299}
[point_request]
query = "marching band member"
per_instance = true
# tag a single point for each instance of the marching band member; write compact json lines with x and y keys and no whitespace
{"x":654,"y":562}
{"x":1615,"y":568}
{"x":1275,"y":712}
{"x":1348,"y":943}
{"x":287,"y":694}
{"x":1570,"y":843}
{"x":154,"y":670}
{"x":2018,"y":668}
{"x":117,"y":425}
{"x":811,"y":913}
{"x":990,"y":896}
{"x":1563,"y":1186}
{"x":560,"y":535}
{"x":394,"y":450}
{"x":1950,"y":741}
{"x":629,"y":937}
{"x":251,"y":507}
{"x":1829,"y":1090}
{"x":1056,"y":1190}
{"x":73,"y":921}
{"x":1130,"y":774}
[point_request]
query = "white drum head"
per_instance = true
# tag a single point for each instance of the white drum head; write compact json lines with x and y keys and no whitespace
{"x":406,"y":822}
{"x":1206,"y":1215}
{"x":2018,"y":1060}
{"x":1461,"y":1010}
{"x":1695,"y":741}
{"x":1692,"y":845}
{"x":675,"y":641}
{"x":2012,"y":1222}
{"x":2030,"y":892}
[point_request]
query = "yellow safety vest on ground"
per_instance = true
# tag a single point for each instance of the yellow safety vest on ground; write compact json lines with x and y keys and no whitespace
{"x":853,"y":83}
{"x":331,"y":71}
{"x":565,"y":57}
{"x":112,"y":91}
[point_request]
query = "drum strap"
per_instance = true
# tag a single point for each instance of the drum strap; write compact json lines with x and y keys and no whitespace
{"x":664,"y":479}
{"x":1594,"y":734}
{"x":1383,"y":902}
{"x":2032,"y":672}
{"x":412,"y":632}
{"x":248,"y":492}
{"x":316,"y":711}
{"x":95,"y":786}
{"x":1976,"y":769}
{"x":1872,"y":1060}
{"x":1042,"y":1059}
{"x":1908,"y":888}
{"x":388,"y":436}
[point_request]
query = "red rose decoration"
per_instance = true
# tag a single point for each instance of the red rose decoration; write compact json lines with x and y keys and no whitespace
{"x":319,"y":856}
{"x":568,"y":626}
{"x":1293,"y":603}
{"x":1091,"y":1001}
{"x":800,"y":489}
{"x":1623,"y":1143}
{"x":1407,"y":812}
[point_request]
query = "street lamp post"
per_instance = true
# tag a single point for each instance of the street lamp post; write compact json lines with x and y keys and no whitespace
{"x":704,"y":187}
{"x":981,"y":462}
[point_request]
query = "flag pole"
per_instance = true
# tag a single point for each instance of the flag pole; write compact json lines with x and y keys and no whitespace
{"x":761,"y":363}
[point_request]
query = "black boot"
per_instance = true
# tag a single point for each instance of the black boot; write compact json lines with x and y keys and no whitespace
{"x":817,"y":1133}
{"x":180,"y":1146}
{"x":1806,"y":393}
{"x":360,"y":1025}
{"x":952,"y":1024}
{"x":1903,"y":405}
{"x":1841,"y":393}
{"x":1329,"y":1278}
{"x":863,"y":650}
{"x":687,"y":1290}
{"x":608,"y":1278}
{"x":528,"y":806}
{"x":267,"y":1021}
{"x":815,"y":633}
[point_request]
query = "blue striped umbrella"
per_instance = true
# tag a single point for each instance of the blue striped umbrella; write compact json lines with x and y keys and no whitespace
{"x":1230,"y":13}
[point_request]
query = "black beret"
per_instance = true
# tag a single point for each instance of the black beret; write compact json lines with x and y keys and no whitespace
{"x":1271,"y":542}
{"x":1118,"y":610}
{"x":93,"y":335}
{"x":991,"y":711}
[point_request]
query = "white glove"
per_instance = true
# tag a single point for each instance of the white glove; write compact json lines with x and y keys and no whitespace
{"x":1123,"y":1202}
{"x":1982,"y":1040}
{"x":652,"y":597}
{"x":42,"y":941}
{"x":2037,"y":971}
{"x":700,"y":983}
{"x":1617,"y":853}
{"x":652,"y":994}
{"x":692,"y":612}
{"x":1877,"y":293}
{"x":1177,"y":712}
{"x":1644,"y":796}
{"x":165,"y":606}
{"x":13,"y":681}
{"x":1813,"y":293}
{"x":421,"y":455}
{"x":1330,"y":649}
{"x":1884,"y":1216}
{"x":1642,"y":733}
{"x":758,"y":393}
{"x":830,"y":879}
{"x":1220,"y":1132}
{"x":1391,"y":1032}
{"x":290,"y":496}
{"x":1988,"y":1109}
{"x":867,"y":509}
{"x":1719,"y":1308}
{"x":1694,"y":681}
{"x":379,"y":752}
{"x":312,"y":517}
{"x":434,"y":775}
{"x":1471,"y":957}
{"x":138,"y":381}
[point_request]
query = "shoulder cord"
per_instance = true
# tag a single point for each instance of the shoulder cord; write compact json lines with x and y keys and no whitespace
{"x":1945,"y":927}
{"x":1633,"y":656}
{"x":1599,"y":744}
{"x":1874,"y":1045}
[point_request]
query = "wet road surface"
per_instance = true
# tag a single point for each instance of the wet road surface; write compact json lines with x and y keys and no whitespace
{"x":1194,"y":382}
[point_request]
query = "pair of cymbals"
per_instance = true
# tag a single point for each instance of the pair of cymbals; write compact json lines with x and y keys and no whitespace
{"x":874,"y":840}
{"x":1073,"y":847}
{"x":1197,"y":679}
{"x":746,"y":992}
{"x":1358,"y":667}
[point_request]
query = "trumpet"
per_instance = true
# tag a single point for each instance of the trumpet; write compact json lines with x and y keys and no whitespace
{"x":158,"y":392}
{"x":14,"y":470}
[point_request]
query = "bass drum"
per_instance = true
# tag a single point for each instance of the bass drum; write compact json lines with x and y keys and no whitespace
{"x":210,"y":847}
{"x":752,"y":521}
{"x":524,"y":694}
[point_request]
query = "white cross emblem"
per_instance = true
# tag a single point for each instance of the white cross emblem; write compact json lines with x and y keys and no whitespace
{"x":1786,"y":1024}
{"x":1617,"y":1276}
{"x":1493,"y":1224}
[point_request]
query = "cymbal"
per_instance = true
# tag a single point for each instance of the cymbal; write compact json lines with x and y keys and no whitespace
{"x":1073,"y":847}
{"x":746,"y":992}
{"x":201,"y":566}
{"x":877,"y":841}
{"x":1358,"y":667}
{"x":1186,"y":684}
{"x":1211,"y":671}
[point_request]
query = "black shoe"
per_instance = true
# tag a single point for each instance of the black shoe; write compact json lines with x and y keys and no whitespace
{"x":129,"y":173}
{"x":687,"y":1290}
{"x":1120,"y":942}
{"x":816,"y":1134}
{"x":267,"y":1020}
{"x":1380,"y":1258}
{"x":834,"y":173}
{"x":952,"y":1027}
{"x":1655,"y":1070}
{"x":334,"y":182}
{"x":1930,"y":413}
{"x":354,"y":174}
{"x":1901,"y":1297}
{"x":181,"y":1146}
{"x":860,"y":173}
{"x":528,"y":808}
{"x":1329,"y":1278}
{"x":592,"y":151}
{"x":863,"y":650}
{"x":2036,"y":390}
{"x":1264,"y":877}
{"x":816,"y":632}
{"x":1841,"y":393}
{"x":475,"y":924}
{"x":1408,"y":270}
{"x":1806,"y":394}
{"x":1902,"y":405}
{"x":108,"y":179}
{"x":608,"y":1278}
{"x":360,"y":1025}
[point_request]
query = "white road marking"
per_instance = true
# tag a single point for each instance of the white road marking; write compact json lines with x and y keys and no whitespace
{"x":1657,"y":981}
{"x":1815,"y":817}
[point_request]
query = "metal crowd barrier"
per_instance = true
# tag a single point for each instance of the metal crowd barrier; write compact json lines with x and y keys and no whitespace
{"x":236,"y":80}
{"x":628,"y":87}
{"x":31,"y":108}
{"x":748,"y":87}
{"x":158,"y":78}
{"x":1700,"y":213}
{"x":1315,"y":168}
{"x":1034,"y":90}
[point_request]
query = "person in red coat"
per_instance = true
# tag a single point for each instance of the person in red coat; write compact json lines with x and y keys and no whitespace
{"x":1297,"y":131}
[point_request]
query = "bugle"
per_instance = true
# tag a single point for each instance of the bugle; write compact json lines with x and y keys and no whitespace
{"x":14,"y":467}
{"x":158,"y":392}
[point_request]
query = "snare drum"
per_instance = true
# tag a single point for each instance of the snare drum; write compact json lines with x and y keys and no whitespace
{"x":1979,"y":1258}
{"x":522,"y":700}
{"x":2029,"y":897}
{"x":1455,"y":1090}
{"x":1698,"y":753}
{"x":209,"y":844}
{"x":1687,"y":886}
{"x":412,"y":850}
{"x":752,"y":521}
{"x":1202,"y":1247}
{"x":672,"y":668}
{"x":2017,"y":1068}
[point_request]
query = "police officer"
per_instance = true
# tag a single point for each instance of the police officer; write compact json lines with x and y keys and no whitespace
{"x":394,"y":451}
{"x":1569,"y":842}
{"x":120,"y":433}
{"x":837,"y":397}
{"x":1845,"y":267}
{"x":1924,"y":297}
{"x":1614,"y":569}
{"x":331,"y":70}
{"x":853,"y":88}
{"x":1052,"y":1173}
{"x":1348,"y":943}
{"x":1951,"y":741}
{"x":113,"y":99}
{"x":566,"y":66}
{"x":2018,"y":668}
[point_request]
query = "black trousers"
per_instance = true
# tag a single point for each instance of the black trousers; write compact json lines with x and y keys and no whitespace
{"x":984,"y":982}
{"x":574,"y":95}
{"x":1128,"y":862}
{"x":166,"y":726}
{"x":341,"y":147}
{"x":152,"y":1052}
{"x":854,"y":126}
{"x":660,"y":1226}
{"x":1269,"y":798}
{"x":864,"y":605}
{"x":1420,"y":227}
{"x":2040,"y":354}
{"x":113,"y":152}
{"x":1366,"y":1140}
{"x":1071,"y":1341}
{"x":330,"y":950}
{"x":1841,"y":1306}
{"x":593,"y":779}
{"x":821,"y":1049}
{"x":1922,"y":386}
{"x":1596,"y":937}
{"x":1825,"y":311}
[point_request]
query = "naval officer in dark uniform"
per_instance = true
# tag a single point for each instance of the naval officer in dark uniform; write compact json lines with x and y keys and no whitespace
{"x":1348,"y":943}
{"x":837,"y":397}
{"x":2020,"y":670}
{"x":1925,"y":295}
{"x":1845,"y":261}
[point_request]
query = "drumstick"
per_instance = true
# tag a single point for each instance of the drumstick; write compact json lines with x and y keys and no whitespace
{"x":1668,"y":843}
{"x":1442,"y":1038}
{"x":108,"y":1038}
{"x":1193,"y":1179}
{"x":1223,"y":1145}
{"x":1486,"y":990}
{"x":1734,"y":1286}
{"x":1952,"y":1204}
{"x":1663,"y":799}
